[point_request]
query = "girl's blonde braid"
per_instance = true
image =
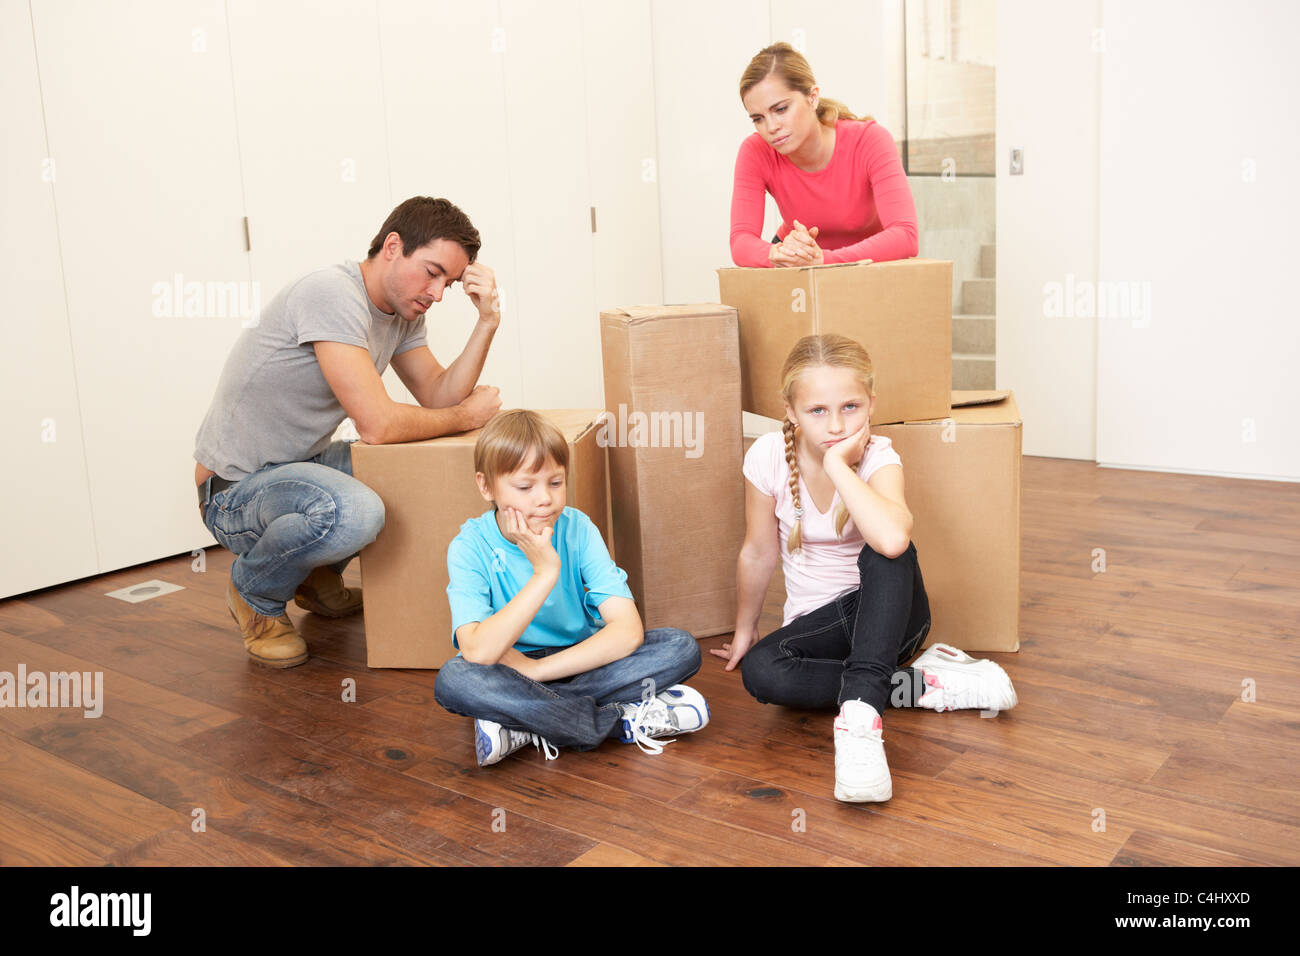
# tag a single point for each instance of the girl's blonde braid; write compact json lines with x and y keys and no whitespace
{"x":794,"y":542}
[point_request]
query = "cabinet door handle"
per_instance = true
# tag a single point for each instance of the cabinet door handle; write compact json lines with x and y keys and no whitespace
{"x":248,"y":243}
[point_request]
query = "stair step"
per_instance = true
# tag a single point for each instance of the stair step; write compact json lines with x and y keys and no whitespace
{"x":988,"y":261}
{"x":979,"y":296}
{"x":974,"y":334}
{"x":971,"y":371}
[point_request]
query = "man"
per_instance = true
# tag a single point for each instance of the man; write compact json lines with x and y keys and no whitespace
{"x":272,"y":487}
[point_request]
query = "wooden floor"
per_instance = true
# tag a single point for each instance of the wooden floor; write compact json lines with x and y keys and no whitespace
{"x":1130,"y":685}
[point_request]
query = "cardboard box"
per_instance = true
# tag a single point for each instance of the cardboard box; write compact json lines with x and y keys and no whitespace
{"x":672,"y":381}
{"x":428,"y":492}
{"x":962,"y":478}
{"x":900,"y":311}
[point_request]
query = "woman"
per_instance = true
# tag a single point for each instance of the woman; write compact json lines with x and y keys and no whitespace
{"x":836,"y":178}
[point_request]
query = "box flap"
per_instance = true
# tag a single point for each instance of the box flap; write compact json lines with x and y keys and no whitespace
{"x":989,"y":411}
{"x":904,"y":263}
{"x":1002,"y":411}
{"x":649,"y":313}
{"x":573,"y":422}
{"x":961,"y":398}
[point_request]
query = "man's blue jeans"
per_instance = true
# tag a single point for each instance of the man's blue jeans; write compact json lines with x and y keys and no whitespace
{"x":284,"y":521}
{"x":578,"y":712}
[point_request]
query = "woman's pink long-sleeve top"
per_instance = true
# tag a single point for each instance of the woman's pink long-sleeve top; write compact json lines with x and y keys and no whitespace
{"x":861,"y":202}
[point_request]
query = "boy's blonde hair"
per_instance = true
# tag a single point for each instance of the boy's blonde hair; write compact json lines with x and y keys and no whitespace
{"x":812,"y":351}
{"x":516,"y":439}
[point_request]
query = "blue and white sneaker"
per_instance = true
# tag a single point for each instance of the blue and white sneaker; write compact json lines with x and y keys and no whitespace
{"x":492,"y":742}
{"x":677,"y":710}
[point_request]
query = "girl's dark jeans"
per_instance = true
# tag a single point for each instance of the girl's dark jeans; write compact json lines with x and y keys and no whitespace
{"x":852,"y":648}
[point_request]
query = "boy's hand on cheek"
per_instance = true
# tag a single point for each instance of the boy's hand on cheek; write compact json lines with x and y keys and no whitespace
{"x":536,"y":546}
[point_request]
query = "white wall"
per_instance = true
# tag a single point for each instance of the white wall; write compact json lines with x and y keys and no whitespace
{"x":444,"y":120}
{"x":1199,"y":197}
{"x":45,"y":504}
{"x":1141,"y":125}
{"x":140,"y":118}
{"x":1047,"y":218}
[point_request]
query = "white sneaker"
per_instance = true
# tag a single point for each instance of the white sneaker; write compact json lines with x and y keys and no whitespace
{"x":493,"y":742}
{"x":956,"y":681}
{"x":861,"y":771}
{"x":677,"y":710}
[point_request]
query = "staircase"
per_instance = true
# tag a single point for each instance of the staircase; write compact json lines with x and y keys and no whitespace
{"x":974,"y":350}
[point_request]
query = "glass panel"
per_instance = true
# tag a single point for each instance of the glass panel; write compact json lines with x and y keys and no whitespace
{"x":949,"y":55}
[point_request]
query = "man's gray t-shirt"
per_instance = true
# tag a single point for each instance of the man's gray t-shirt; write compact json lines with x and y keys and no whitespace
{"x":273,"y":404}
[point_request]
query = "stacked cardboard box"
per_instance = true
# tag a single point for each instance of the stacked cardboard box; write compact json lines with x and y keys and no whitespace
{"x":962,"y":475}
{"x":672,"y":397}
{"x":428,"y":490}
{"x":901,"y":312}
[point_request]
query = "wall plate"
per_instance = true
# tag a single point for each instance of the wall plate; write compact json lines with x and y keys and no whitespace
{"x":136,"y":593}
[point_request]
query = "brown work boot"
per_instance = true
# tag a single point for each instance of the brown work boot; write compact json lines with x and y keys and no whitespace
{"x":323,"y":593}
{"x":271,"y":641}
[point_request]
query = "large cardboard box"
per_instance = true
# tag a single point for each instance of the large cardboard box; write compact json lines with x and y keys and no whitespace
{"x":962,"y":477}
{"x":428,"y":491}
{"x":900,"y":311}
{"x":672,"y":394}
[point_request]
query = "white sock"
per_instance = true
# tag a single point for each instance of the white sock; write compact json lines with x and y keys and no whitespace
{"x":860,"y":710}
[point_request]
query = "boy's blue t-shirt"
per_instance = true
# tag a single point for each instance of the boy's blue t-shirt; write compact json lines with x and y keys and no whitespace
{"x":485,"y":571}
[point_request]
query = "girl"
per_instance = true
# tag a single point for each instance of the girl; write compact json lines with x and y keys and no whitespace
{"x":836,"y":178}
{"x":825,"y":497}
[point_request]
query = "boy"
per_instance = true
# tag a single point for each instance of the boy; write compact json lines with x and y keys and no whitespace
{"x":552,"y":649}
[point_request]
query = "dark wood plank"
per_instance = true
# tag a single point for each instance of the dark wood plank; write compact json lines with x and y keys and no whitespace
{"x":84,"y":808}
{"x":27,"y":840}
{"x":866,"y":834}
{"x":627,"y":817}
{"x":1129,"y":807}
{"x":602,"y":854}
{"x":1151,"y":849}
{"x":184,"y":847}
{"x":136,"y":703}
{"x":423,"y":815}
{"x":234,"y":803}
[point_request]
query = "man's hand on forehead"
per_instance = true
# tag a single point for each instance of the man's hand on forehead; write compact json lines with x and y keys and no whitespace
{"x":480,"y":285}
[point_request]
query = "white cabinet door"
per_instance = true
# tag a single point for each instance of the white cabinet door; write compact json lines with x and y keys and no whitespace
{"x":44,"y":494}
{"x":700,"y":51}
{"x":618,"y":59}
{"x":445,"y":112}
{"x":546,"y":118}
{"x":140,"y":117}
{"x":309,"y":102}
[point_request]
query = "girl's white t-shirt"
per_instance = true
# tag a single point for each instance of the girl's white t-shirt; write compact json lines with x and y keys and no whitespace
{"x":826,"y":567}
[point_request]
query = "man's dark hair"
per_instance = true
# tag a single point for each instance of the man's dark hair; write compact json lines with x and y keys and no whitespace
{"x":422,"y":219}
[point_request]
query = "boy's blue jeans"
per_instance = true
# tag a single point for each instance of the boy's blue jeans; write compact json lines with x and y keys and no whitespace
{"x":284,"y":521}
{"x":577,"y":712}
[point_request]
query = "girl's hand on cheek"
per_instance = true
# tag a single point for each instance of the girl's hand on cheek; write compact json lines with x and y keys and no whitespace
{"x":851,"y":449}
